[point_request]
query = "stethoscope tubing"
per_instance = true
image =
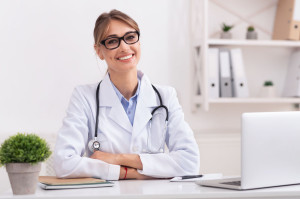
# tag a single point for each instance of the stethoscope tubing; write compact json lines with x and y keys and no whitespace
{"x":152,"y":113}
{"x":97,"y":109}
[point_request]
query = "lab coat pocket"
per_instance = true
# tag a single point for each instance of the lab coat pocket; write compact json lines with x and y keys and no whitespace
{"x":156,"y":130}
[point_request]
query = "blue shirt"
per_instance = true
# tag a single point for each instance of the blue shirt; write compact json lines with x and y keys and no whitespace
{"x":129,"y":106}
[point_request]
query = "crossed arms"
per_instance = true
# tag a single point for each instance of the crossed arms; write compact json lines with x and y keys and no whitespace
{"x":131,"y":161}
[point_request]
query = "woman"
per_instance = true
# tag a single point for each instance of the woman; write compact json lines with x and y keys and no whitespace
{"x":135,"y":120}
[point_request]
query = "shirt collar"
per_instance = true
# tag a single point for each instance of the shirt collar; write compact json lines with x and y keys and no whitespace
{"x":120,"y":96}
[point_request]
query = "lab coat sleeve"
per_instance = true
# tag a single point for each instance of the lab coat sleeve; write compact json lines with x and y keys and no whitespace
{"x":71,"y":143}
{"x":183,"y":157}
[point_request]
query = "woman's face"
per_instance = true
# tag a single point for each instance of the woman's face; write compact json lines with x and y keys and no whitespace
{"x":125,"y":57}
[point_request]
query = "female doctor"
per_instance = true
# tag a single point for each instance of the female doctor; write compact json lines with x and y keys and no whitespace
{"x":124,"y":127}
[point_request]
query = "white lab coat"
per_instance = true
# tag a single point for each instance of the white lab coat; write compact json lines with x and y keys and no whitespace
{"x":117,"y":135}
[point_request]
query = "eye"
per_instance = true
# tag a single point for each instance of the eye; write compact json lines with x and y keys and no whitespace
{"x":112,"y":41}
{"x":130,"y":37}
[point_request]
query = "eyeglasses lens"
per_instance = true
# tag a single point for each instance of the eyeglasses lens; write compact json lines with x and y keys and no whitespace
{"x":131,"y":38}
{"x":112,"y":43}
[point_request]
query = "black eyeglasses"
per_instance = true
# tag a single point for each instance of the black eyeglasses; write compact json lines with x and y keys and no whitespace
{"x":114,"y":42}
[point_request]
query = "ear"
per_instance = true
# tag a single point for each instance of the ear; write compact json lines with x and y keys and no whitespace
{"x":99,"y":52}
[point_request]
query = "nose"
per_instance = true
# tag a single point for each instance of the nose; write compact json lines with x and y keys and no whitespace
{"x":123,"y":46}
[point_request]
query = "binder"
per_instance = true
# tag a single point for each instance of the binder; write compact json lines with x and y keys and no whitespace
{"x":287,"y":20}
{"x":225,"y":74}
{"x":240,"y":86}
{"x":213,"y":73}
{"x":197,"y":64}
{"x":292,"y":81}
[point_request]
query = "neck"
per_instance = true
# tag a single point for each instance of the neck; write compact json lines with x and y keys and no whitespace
{"x":126,"y":83}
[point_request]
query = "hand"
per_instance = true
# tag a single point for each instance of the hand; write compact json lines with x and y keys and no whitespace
{"x":109,"y":158}
{"x":132,"y":174}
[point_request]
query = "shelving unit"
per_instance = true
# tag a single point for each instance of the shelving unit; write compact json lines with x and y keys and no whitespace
{"x":251,"y":100}
{"x":264,"y":58}
{"x":257,"y":43}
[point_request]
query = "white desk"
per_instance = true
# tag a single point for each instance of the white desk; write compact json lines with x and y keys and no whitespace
{"x":156,"y":189}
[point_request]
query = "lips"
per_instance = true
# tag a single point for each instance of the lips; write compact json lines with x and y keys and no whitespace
{"x":125,"y":57}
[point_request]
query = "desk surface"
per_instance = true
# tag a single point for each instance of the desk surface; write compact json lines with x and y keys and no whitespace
{"x":156,"y":189}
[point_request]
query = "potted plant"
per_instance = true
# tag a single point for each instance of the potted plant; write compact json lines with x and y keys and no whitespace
{"x":22,"y":155}
{"x":251,"y":33}
{"x":268,"y":89}
{"x":225,"y":34}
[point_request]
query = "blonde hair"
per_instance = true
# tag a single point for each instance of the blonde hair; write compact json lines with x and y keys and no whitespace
{"x":102,"y":23}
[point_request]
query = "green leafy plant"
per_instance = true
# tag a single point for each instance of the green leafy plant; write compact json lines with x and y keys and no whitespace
{"x":226,"y":28}
{"x":251,"y":29}
{"x":268,"y":83}
{"x":24,"y":148}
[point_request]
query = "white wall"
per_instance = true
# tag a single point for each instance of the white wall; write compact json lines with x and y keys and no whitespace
{"x":46,"y":49}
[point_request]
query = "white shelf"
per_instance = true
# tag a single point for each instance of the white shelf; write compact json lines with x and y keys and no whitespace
{"x":261,"y":63}
{"x":283,"y":100}
{"x":262,"y":43}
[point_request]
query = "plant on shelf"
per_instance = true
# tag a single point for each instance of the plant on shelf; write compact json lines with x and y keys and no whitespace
{"x":251,"y":33}
{"x":251,"y":29}
{"x":226,"y":34}
{"x":22,"y":155}
{"x":268,"y":83}
{"x":268,"y":89}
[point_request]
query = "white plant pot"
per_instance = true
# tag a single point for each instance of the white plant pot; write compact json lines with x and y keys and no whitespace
{"x":226,"y":35}
{"x":23,"y":177}
{"x":268,"y":92}
{"x":251,"y":35}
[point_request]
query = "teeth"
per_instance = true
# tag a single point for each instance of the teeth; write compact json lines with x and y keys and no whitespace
{"x":127,"y":57}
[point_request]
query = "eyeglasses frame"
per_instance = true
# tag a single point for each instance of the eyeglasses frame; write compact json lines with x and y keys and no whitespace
{"x":120,"y":38}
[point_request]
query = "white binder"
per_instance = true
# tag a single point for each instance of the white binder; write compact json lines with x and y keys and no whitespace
{"x":225,"y":74}
{"x":240,"y":85}
{"x":292,"y":81}
{"x":213,"y":73}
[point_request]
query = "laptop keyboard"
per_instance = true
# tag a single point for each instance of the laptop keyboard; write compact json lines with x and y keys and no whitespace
{"x":235,"y":183}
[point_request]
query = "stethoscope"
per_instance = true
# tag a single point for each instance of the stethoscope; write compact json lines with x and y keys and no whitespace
{"x":94,"y":144}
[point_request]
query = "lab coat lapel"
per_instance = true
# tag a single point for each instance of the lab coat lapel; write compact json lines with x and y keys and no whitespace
{"x":109,"y":98}
{"x":146,"y":101}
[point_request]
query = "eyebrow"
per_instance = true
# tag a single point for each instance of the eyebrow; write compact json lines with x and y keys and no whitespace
{"x":114,"y":35}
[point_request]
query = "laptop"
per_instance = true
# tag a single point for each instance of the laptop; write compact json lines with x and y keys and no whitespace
{"x":270,"y":153}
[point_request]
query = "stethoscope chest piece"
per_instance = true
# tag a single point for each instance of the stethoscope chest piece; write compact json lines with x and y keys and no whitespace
{"x":94,"y":145}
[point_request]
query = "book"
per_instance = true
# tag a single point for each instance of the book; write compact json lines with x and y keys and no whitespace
{"x":51,"y":182}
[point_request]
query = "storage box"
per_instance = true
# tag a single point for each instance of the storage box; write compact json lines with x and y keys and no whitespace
{"x":287,"y":21}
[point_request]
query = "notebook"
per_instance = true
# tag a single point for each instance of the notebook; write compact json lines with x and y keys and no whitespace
{"x":270,"y":152}
{"x":51,"y":182}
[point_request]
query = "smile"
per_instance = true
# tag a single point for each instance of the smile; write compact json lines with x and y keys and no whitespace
{"x":126,"y":57}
